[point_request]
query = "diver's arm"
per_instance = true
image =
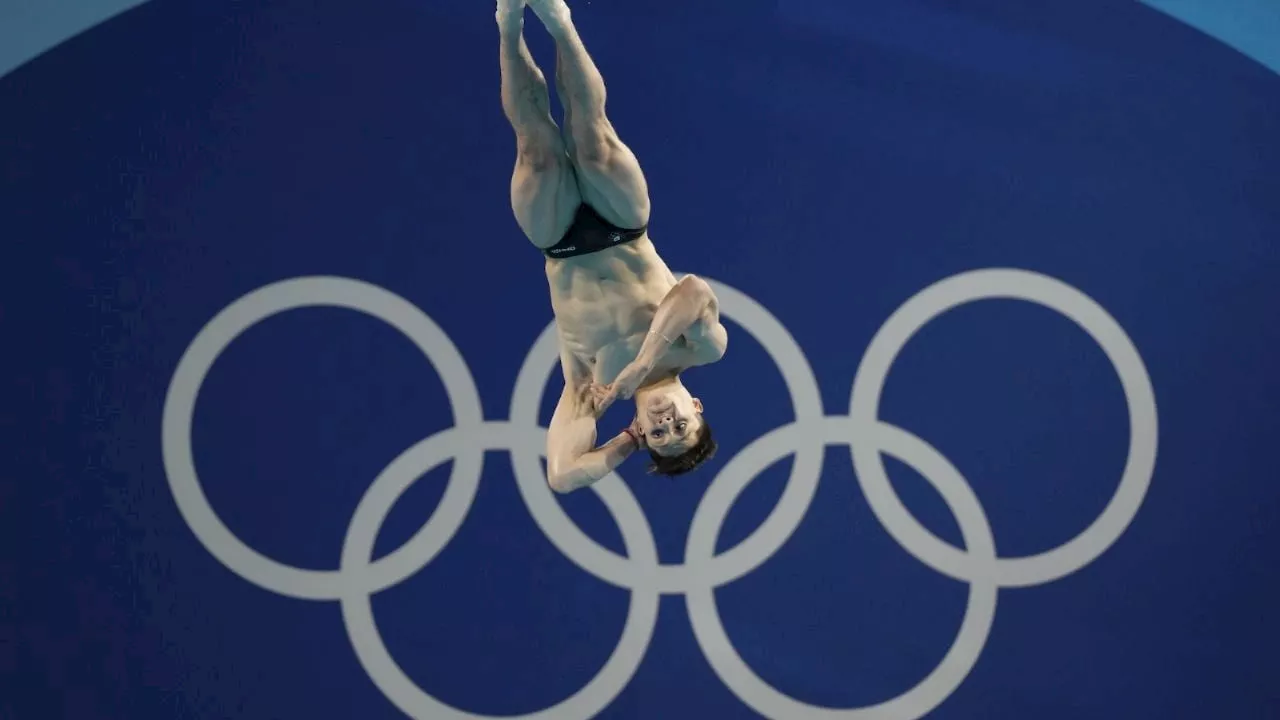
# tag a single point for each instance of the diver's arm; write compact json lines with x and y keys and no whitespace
{"x":690,"y":309}
{"x":571,"y":462}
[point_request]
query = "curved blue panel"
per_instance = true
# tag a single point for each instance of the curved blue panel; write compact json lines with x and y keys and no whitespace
{"x":29,"y":27}
{"x":995,"y":425}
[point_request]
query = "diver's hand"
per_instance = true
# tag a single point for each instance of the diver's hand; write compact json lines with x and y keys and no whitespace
{"x":628,"y":381}
{"x":594,"y":399}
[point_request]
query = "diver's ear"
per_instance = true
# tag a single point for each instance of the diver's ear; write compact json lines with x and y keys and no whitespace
{"x":697,"y":404}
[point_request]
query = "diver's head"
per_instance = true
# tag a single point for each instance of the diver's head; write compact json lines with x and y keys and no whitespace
{"x":675,"y":431}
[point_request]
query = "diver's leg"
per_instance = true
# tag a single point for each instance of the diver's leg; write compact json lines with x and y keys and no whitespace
{"x":609,"y":176}
{"x":544,"y":192}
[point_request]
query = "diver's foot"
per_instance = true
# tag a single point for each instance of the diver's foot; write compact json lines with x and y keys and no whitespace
{"x":554,"y":14}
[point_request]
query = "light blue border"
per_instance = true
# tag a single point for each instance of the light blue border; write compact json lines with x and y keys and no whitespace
{"x":29,"y":28}
{"x":1252,"y":27}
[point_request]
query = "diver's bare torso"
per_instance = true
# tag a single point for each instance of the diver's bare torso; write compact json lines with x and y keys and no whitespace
{"x":604,"y":305}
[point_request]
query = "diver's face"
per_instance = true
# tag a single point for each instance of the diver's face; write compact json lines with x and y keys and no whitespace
{"x":671,"y":420}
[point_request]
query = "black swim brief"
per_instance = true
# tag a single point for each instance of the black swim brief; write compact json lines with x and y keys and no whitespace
{"x":591,"y":233}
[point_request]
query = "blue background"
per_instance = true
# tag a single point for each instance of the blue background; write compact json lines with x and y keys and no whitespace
{"x":829,"y":159}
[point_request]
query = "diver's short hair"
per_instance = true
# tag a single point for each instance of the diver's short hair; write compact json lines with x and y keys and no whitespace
{"x":688,"y":460}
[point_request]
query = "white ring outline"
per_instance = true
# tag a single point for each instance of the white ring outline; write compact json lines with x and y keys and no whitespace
{"x":198,"y":360}
{"x":734,"y":562}
{"x":357,"y":610}
{"x":979,"y":565}
{"x":979,"y":613}
{"x":943,"y":296}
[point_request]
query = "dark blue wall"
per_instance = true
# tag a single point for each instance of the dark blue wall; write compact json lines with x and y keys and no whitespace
{"x":824,"y":162}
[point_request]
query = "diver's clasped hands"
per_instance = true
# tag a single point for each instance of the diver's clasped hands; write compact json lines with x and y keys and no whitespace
{"x":623,"y":387}
{"x":596,"y":398}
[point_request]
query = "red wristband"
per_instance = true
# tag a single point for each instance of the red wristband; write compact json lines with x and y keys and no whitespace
{"x":634,"y":437}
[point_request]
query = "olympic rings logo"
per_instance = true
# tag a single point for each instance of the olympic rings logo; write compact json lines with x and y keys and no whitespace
{"x":358,"y":577}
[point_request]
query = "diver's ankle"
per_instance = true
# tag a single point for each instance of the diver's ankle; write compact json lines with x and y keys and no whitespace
{"x":510,"y":14}
{"x":554,"y":14}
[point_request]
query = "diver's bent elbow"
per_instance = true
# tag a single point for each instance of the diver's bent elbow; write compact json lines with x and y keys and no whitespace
{"x":561,"y":483}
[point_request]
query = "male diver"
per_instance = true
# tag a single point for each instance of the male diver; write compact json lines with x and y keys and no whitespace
{"x":627,"y":328}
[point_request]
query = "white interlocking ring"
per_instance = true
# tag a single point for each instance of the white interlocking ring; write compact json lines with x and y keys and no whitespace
{"x":359,"y":577}
{"x":1139,"y":396}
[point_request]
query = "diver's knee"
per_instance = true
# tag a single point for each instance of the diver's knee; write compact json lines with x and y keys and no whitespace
{"x":595,"y":144}
{"x":539,"y":154}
